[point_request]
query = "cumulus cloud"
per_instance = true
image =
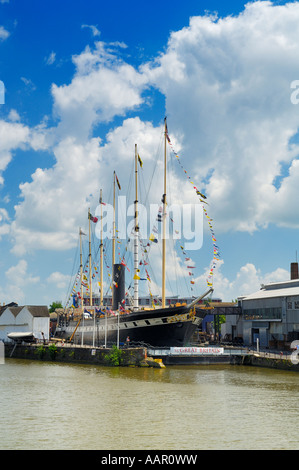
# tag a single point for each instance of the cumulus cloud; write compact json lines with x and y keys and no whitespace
{"x":227,"y":87}
{"x":103,"y":87}
{"x":12,"y":137}
{"x":226,"y":83}
{"x":61,"y":281}
{"x":18,"y":280}
{"x":56,"y":197}
{"x":247,"y":280}
{"x":4,"y":34}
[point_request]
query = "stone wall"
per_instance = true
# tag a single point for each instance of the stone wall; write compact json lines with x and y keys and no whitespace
{"x":73,"y":354}
{"x":270,"y":363}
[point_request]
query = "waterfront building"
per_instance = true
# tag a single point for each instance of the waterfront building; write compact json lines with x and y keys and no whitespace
{"x":24,"y":319}
{"x":270,"y":315}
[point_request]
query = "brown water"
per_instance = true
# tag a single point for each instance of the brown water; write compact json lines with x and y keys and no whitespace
{"x":62,"y":406}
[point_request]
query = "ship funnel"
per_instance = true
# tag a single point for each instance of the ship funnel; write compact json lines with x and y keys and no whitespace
{"x":118,"y":286}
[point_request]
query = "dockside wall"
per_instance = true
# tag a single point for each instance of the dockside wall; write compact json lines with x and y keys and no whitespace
{"x":75,"y":354}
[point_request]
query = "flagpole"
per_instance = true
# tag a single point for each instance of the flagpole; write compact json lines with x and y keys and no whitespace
{"x":113,"y":228}
{"x":101,"y":252}
{"x":81,"y":269}
{"x":81,"y":277}
{"x":101,"y":267}
{"x":113,"y":235}
{"x":136,"y":237}
{"x":164,"y":222}
{"x":90,"y":278}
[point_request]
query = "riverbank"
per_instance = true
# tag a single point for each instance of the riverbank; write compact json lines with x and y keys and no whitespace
{"x":78,"y":354}
{"x":143,"y":357}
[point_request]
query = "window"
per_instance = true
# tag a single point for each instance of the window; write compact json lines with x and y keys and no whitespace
{"x":290,"y":305}
{"x":273,"y":313}
{"x":297,"y":304}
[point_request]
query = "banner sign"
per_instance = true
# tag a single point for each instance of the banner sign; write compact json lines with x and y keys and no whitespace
{"x":190,"y":351}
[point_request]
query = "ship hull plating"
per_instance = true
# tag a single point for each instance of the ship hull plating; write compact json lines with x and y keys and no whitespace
{"x":161,"y":327}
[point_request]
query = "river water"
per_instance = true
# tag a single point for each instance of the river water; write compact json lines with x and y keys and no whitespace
{"x":62,"y":406}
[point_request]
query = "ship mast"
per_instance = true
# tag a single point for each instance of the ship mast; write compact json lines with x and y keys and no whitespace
{"x":136,"y":235}
{"x":89,"y":256}
{"x":81,"y":269}
{"x":101,"y":253}
{"x":164,"y":221}
{"x":113,"y":234}
{"x":113,"y":227}
{"x":81,"y":278}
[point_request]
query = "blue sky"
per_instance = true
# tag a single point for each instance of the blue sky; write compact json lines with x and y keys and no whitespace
{"x":85,"y":81}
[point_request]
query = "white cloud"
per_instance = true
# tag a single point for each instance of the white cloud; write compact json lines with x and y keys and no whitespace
{"x":30,"y":86}
{"x":55,"y":203}
{"x":4,"y":226}
{"x":248,"y":279}
{"x":4,"y":34}
{"x":60,"y":280}
{"x":12,"y":137}
{"x":13,"y":115}
{"x":227,"y":87}
{"x":94,"y":29}
{"x":19,"y":276}
{"x":102,"y":88}
{"x":51,"y":58}
{"x":17,"y":281}
{"x":56,"y":198}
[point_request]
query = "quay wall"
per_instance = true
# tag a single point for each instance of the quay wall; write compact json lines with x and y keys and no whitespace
{"x":138,"y":357}
{"x":75,"y":354}
{"x":273,"y":363}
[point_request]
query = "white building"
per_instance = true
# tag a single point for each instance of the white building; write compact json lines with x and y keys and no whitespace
{"x":26,"y":319}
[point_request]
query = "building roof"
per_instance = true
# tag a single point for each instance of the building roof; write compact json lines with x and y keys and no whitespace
{"x":38,"y":310}
{"x":15,"y":310}
{"x":35,"y":310}
{"x":270,"y":293}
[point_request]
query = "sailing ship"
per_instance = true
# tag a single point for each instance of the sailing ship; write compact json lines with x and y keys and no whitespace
{"x":166,"y":326}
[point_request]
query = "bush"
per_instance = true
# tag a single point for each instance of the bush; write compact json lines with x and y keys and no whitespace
{"x":52,"y":351}
{"x":40,"y":351}
{"x":114,"y":357}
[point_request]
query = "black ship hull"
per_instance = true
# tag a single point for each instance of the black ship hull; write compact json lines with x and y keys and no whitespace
{"x":164,"y":327}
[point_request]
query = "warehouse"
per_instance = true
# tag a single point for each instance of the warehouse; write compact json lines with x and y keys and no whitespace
{"x":26,"y":319}
{"x":271,"y":315}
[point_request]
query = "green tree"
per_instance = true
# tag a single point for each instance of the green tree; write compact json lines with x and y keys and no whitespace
{"x":55,"y":305}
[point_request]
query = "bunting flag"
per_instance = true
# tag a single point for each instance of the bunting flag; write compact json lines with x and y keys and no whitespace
{"x":93,"y":219}
{"x":140,"y":161}
{"x":202,"y":198}
{"x":119,"y":187}
{"x":153,"y":239}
